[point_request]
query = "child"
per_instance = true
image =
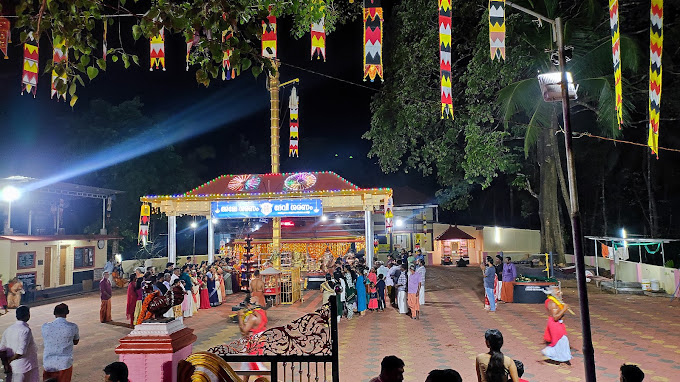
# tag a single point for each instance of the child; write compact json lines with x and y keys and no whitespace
{"x":372,"y":297}
{"x":380,"y":286}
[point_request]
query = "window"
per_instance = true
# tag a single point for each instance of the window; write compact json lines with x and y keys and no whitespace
{"x":83,"y":257}
{"x":25,"y":260}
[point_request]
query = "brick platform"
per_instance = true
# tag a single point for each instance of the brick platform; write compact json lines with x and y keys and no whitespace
{"x":637,"y":329}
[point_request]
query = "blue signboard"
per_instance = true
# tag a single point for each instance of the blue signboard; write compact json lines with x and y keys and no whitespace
{"x":235,"y":209}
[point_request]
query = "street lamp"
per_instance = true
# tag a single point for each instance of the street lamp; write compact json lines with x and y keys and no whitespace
{"x":566,"y":85}
{"x":338,"y":220}
{"x":324,"y":218}
{"x":9,"y":194}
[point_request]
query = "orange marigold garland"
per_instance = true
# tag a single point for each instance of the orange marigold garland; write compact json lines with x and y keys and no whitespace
{"x":144,"y":314}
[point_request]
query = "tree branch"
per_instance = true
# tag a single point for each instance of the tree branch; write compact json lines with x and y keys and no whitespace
{"x":531,"y":191}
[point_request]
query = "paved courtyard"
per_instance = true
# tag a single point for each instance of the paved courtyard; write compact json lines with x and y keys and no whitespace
{"x":638,"y":329}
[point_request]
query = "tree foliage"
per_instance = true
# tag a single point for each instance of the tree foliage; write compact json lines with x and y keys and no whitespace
{"x":78,"y":23}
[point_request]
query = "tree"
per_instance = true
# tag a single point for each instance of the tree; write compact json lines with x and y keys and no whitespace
{"x":78,"y":25}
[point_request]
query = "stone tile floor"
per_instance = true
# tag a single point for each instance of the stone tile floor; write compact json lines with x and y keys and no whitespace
{"x":638,"y":329}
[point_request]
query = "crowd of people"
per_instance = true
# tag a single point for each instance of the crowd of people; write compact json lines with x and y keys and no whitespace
{"x":205,"y":285}
{"x":358,"y":288}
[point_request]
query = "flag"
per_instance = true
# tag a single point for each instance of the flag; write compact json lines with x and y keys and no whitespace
{"x":293,"y":104}
{"x":229,"y":72}
{"x":497,"y":28}
{"x":655,"y":52}
{"x":29,"y":76}
{"x":144,"y":217}
{"x":616,"y":56}
{"x":445,"y":57}
{"x":373,"y":18}
{"x":5,"y":36}
{"x":318,"y":32}
{"x":269,"y":37}
{"x":59,"y":55}
{"x":157,"y":50}
{"x":104,"y":45}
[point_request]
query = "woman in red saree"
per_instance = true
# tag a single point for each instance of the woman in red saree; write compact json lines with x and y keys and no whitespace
{"x":205,"y":299}
{"x":131,"y":303}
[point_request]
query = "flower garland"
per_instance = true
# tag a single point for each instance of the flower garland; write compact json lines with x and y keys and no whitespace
{"x":144,"y":314}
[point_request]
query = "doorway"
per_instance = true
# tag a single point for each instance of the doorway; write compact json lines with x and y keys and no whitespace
{"x":47,"y":269}
{"x":62,"y":265}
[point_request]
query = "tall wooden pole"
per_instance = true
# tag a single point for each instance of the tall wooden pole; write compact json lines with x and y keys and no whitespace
{"x":275,"y":145}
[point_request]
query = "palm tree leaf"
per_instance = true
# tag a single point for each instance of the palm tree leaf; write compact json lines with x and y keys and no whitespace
{"x":540,"y":119}
{"x":518,"y":97}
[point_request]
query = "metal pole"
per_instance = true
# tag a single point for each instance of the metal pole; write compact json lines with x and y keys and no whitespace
{"x":103,"y":215}
{"x":9,"y":218}
{"x":663,"y":256}
{"x":211,"y":240}
{"x":588,"y":351}
{"x":30,"y":221}
{"x":172,"y":239}
{"x":597,"y":264}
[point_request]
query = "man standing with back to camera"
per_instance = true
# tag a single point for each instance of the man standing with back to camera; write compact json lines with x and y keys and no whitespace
{"x":59,"y":337}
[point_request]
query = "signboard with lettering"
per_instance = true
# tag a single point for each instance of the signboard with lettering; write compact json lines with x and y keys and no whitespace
{"x":239,"y":209}
{"x":25,"y":260}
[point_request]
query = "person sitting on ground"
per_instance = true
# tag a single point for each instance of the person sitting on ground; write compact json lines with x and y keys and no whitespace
{"x":520,"y":371}
{"x":631,"y":373}
{"x":445,"y":375}
{"x":391,"y":370}
{"x":116,"y":372}
{"x":494,"y":366}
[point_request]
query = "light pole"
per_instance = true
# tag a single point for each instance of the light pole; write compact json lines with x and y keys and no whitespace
{"x":194,"y":225}
{"x":588,"y":351}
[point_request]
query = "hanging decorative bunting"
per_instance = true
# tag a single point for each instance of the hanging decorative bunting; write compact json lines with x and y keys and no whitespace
{"x":293,"y":104}
{"x":144,"y":217}
{"x":59,"y":55}
{"x":190,"y":43}
{"x":445,"y":57}
{"x":616,"y":56}
{"x":5,"y":36}
{"x":269,"y":37}
{"x":29,"y":77}
{"x":319,"y":40}
{"x":373,"y":18}
{"x":157,"y":53}
{"x":497,"y":29}
{"x":229,"y":72}
{"x":655,"y":52}
{"x":104,"y":45}
{"x":318,"y":35}
{"x":389,"y":214}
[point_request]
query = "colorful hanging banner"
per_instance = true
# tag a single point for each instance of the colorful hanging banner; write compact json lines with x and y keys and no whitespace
{"x":445,"y":57}
{"x":144,"y":218}
{"x":269,"y":37}
{"x":373,"y":18}
{"x":104,"y":44}
{"x":229,"y":72}
{"x":190,"y":43}
{"x":318,"y":34}
{"x":389,"y":214}
{"x":293,"y":104}
{"x":59,"y":55}
{"x":497,"y":29}
{"x":319,"y":40}
{"x":157,"y":50}
{"x":616,"y":56}
{"x":29,"y":77}
{"x":655,"y":53}
{"x":5,"y":36}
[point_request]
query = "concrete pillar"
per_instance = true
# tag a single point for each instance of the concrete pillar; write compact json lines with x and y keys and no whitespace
{"x":368,"y":223}
{"x":211,"y":239}
{"x":172,"y":239}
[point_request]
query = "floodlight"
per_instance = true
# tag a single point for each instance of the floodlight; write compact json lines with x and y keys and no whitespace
{"x":324,"y":218}
{"x":338,"y":220}
{"x":551,"y":86}
{"x":400,"y":223}
{"x":194,"y":225}
{"x":10,"y":194}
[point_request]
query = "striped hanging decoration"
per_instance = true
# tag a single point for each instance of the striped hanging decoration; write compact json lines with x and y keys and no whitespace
{"x":157,"y":44}
{"x":318,"y":32}
{"x":445,"y":57}
{"x":655,"y":52}
{"x":29,"y":77}
{"x":616,"y":55}
{"x":373,"y":18}
{"x":269,"y":37}
{"x":144,"y":218}
{"x":293,"y":104}
{"x":59,"y":55}
{"x":104,"y":44}
{"x":389,"y":214}
{"x":497,"y":29}
{"x":229,"y":72}
{"x":5,"y":36}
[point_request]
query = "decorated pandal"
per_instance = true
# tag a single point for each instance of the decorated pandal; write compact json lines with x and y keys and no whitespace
{"x":306,"y":256}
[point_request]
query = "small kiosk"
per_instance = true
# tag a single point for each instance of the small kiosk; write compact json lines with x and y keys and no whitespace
{"x":272,"y":285}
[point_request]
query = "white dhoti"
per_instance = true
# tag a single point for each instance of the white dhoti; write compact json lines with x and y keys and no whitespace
{"x":187,"y":308}
{"x":497,"y":291}
{"x":560,"y":352}
{"x":421,"y":296}
{"x":401,"y":302}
